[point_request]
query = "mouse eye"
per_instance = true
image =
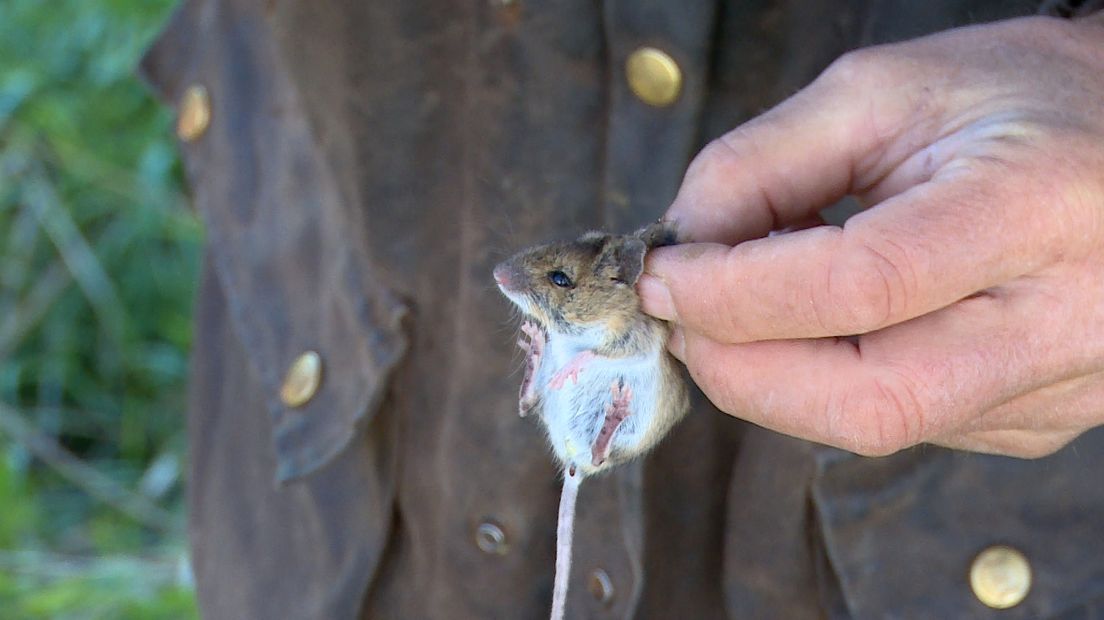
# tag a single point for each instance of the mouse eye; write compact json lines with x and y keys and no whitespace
{"x":560,"y":279}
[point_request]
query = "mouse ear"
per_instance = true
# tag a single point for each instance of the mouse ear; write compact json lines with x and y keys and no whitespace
{"x":659,"y":233}
{"x":622,"y":259}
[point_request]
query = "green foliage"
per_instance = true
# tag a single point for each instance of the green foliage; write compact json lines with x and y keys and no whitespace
{"x":113,"y":592}
{"x":98,"y":262}
{"x":20,"y":510}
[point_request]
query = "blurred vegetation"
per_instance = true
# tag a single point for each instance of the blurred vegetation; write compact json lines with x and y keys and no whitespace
{"x":98,"y":263}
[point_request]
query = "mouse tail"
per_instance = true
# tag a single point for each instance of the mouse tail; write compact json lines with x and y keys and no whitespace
{"x":565,"y":532}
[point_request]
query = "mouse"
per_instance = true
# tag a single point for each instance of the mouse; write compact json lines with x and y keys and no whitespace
{"x":597,"y":370}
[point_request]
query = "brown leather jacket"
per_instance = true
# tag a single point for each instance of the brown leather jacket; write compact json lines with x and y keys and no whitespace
{"x":364,"y":166}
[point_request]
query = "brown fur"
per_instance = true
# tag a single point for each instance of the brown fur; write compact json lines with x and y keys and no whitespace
{"x":603,"y":269}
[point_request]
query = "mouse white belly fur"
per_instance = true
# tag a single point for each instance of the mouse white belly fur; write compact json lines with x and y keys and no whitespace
{"x":575,"y":412}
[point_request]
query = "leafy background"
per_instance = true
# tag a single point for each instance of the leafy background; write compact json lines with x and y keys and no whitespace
{"x":98,"y":262}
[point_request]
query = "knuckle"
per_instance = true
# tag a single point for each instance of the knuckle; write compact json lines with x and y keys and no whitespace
{"x":900,"y":412}
{"x":854,"y":67}
{"x":878,"y":418}
{"x":729,"y":153}
{"x":867,"y":287}
{"x":725,"y":162}
{"x":716,"y":158}
{"x":727,"y":325}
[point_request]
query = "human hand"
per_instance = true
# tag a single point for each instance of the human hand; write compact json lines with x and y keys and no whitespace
{"x":965,"y":306}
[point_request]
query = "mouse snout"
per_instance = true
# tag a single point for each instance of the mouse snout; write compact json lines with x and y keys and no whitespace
{"x":508,"y":276}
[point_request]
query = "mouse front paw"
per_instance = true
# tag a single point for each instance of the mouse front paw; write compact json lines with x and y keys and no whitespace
{"x":534,"y":353}
{"x":571,"y":370}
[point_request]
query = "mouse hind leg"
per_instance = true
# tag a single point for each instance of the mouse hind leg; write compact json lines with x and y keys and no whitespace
{"x":616,"y":412}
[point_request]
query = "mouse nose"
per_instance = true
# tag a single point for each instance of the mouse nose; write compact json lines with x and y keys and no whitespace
{"x":502,"y":275}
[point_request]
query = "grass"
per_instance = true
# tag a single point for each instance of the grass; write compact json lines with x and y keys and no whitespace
{"x":99,"y":254}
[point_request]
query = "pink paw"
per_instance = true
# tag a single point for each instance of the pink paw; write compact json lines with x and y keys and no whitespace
{"x":534,"y":349}
{"x":622,"y":396}
{"x":571,"y":370}
{"x":616,"y":412}
{"x":536,"y":336}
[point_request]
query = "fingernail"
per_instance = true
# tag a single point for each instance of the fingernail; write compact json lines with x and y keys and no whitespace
{"x":676,"y":344}
{"x":655,"y":298}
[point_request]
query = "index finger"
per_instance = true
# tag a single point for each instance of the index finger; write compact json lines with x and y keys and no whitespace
{"x":914,"y":253}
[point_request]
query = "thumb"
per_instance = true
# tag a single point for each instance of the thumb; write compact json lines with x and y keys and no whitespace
{"x":828,"y":140}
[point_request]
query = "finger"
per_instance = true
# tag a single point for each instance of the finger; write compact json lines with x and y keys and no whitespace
{"x":914,"y":253}
{"x":1037,"y":423}
{"x":1022,"y":444}
{"x":1076,"y":403}
{"x":829,"y":139}
{"x":914,"y":382}
{"x":810,"y":222}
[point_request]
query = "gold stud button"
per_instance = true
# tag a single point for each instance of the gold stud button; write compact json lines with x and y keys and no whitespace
{"x":1000,"y":577}
{"x":490,"y":538}
{"x":601,"y":586}
{"x":302,"y":380}
{"x":195,"y":113}
{"x":654,"y":77}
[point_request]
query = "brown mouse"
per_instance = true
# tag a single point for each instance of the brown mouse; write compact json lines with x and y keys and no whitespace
{"x":597,"y":367}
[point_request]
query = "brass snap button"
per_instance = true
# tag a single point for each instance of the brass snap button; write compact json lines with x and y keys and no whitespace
{"x":1000,"y":577}
{"x":194,"y":114}
{"x":653,"y":76}
{"x":302,"y":380}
